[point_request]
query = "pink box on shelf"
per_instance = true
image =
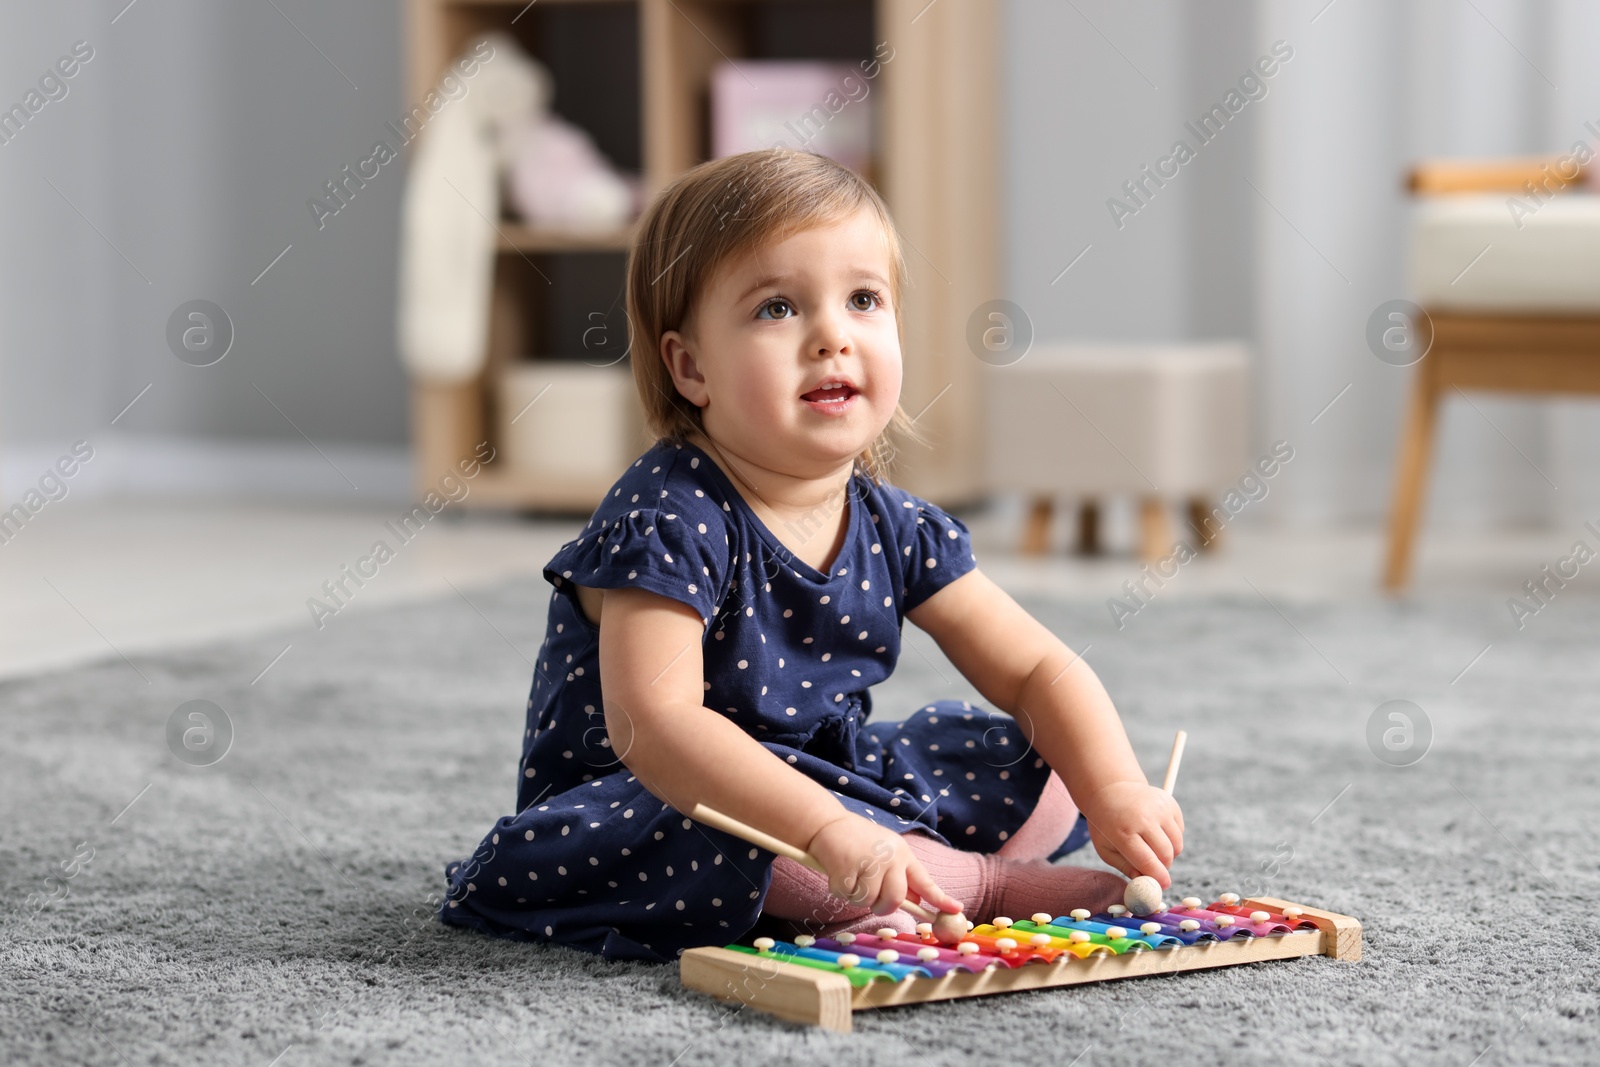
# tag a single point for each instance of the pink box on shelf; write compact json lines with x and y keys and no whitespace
{"x":819,"y":107}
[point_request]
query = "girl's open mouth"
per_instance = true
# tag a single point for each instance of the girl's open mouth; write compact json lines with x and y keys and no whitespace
{"x":832,"y":397}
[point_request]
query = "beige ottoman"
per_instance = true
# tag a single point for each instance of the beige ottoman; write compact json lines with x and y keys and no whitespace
{"x":1166,"y":424}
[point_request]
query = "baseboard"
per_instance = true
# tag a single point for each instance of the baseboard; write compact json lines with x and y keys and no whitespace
{"x":139,"y":465}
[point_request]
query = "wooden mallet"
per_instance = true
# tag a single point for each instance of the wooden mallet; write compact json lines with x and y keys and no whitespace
{"x":1143,"y":895}
{"x":948,"y":928}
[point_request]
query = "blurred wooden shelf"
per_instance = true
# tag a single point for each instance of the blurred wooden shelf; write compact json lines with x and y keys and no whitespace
{"x":516,"y":237}
{"x":635,"y":75}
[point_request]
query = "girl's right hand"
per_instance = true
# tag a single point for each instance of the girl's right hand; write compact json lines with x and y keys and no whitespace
{"x":871,"y":864}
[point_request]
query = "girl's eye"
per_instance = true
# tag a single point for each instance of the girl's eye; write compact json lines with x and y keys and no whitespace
{"x":775,"y":309}
{"x":866,"y":300}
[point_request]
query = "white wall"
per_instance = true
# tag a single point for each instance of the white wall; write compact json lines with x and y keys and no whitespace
{"x":192,"y":141}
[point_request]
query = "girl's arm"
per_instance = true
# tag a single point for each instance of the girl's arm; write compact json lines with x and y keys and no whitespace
{"x":1022,"y":668}
{"x":653,"y":684}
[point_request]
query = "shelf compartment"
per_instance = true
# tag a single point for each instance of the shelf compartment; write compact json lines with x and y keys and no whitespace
{"x":516,"y":237}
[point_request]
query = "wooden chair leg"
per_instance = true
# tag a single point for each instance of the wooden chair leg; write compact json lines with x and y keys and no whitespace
{"x":1207,"y":531}
{"x":1155,"y":540}
{"x":1036,"y":530}
{"x":1411,"y":475}
{"x":1089,"y":528}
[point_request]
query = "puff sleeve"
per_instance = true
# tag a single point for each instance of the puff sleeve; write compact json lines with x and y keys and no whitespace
{"x":681,"y":556}
{"x":935,"y":547}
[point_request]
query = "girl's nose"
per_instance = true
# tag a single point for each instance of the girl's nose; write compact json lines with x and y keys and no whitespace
{"x":831,"y":337}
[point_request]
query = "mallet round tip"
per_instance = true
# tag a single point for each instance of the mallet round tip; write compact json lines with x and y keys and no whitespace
{"x":1143,"y":895}
{"x":949,"y":928}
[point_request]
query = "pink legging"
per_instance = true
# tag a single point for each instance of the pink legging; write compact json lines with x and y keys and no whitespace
{"x":1015,"y":881}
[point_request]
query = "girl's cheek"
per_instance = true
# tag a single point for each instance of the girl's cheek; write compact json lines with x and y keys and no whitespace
{"x":888,"y":357}
{"x":760,"y":391}
{"x":890,"y":379}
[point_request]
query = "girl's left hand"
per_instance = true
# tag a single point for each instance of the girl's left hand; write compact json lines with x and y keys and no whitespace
{"x":1136,"y":828}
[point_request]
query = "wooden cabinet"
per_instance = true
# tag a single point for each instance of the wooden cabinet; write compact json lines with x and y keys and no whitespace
{"x":635,"y":75}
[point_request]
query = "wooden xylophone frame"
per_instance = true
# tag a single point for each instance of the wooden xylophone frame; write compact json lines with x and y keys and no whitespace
{"x":821,"y":998}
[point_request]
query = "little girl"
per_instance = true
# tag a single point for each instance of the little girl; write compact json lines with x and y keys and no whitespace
{"x":715,"y":629}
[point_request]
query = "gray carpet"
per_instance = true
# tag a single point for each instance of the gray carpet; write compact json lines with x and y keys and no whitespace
{"x":273,"y":907}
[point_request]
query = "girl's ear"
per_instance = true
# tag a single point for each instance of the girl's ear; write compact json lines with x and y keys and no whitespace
{"x":683,"y":368}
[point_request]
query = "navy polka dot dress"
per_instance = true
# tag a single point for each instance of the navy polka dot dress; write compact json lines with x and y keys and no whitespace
{"x":594,"y":860}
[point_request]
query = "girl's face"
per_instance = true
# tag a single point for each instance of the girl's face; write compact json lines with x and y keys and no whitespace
{"x":773,"y":329}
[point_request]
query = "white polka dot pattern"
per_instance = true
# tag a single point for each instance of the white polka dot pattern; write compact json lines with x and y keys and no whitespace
{"x":790,"y":653}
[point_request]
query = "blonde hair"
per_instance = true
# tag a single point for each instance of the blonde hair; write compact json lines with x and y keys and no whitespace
{"x":719,"y":210}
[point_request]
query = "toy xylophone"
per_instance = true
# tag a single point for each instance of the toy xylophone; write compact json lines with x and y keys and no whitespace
{"x":822,"y":980}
